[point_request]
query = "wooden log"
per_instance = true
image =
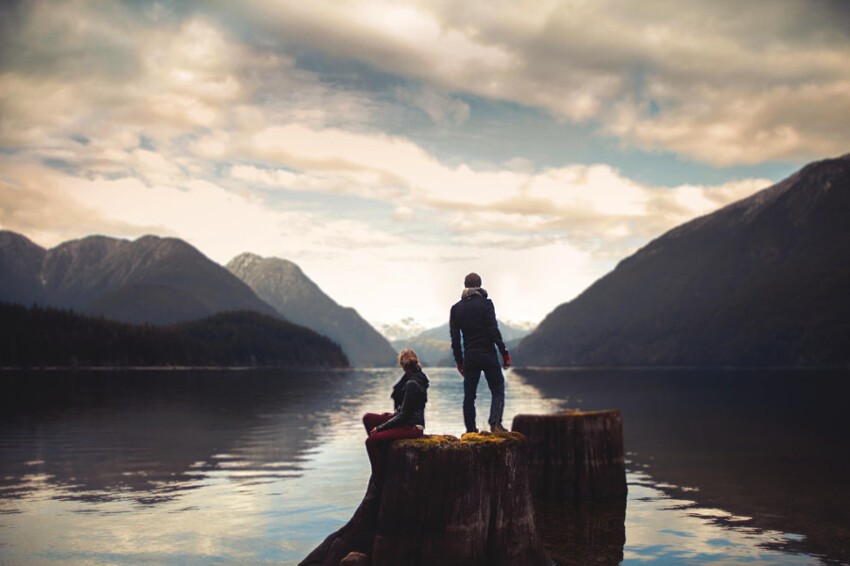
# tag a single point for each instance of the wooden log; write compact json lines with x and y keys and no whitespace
{"x":448,"y":501}
{"x":575,"y":455}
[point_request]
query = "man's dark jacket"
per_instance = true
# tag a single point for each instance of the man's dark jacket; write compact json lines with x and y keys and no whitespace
{"x":475,"y":317}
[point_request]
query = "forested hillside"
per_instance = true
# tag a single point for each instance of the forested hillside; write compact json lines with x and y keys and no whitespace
{"x":46,"y":337}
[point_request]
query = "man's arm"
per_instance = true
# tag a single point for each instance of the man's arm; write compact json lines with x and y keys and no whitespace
{"x":493,"y":328}
{"x":454,"y":330}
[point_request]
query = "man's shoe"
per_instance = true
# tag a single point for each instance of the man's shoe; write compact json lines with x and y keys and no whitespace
{"x":498,"y":428}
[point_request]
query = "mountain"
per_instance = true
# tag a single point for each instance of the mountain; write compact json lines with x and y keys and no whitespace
{"x":152,"y":279}
{"x":434,"y":345}
{"x":284,"y":286}
{"x":508,"y":331}
{"x":20,"y":269}
{"x":39,"y":337}
{"x":763,"y":281}
{"x":407,"y":327}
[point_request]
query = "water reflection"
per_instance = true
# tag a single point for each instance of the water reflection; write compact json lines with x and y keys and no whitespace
{"x":589,"y":532}
{"x":160,"y":466}
{"x":148,"y":435}
{"x":768,"y":447}
{"x":258,"y":467}
{"x":236,"y":467}
{"x":665,"y":530}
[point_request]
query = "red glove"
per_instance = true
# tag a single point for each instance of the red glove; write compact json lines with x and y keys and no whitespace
{"x":460,"y":368}
{"x":506,"y":360}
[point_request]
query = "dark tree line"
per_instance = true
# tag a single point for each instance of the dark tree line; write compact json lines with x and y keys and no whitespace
{"x":47,"y":337}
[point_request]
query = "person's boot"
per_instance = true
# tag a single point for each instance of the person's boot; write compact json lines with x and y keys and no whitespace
{"x":497,"y":427}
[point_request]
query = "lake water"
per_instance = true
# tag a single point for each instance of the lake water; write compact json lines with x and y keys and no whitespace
{"x":239,"y":467}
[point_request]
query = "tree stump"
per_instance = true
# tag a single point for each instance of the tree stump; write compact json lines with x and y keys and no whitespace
{"x":575,"y":455}
{"x":446,"y":501}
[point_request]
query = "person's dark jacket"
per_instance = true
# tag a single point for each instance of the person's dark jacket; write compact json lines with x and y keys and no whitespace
{"x":409,"y":396}
{"x":474,"y":318}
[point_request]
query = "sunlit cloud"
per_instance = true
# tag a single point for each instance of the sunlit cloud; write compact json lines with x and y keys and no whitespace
{"x":30,"y":205}
{"x":589,"y":203}
{"x":764,"y":84}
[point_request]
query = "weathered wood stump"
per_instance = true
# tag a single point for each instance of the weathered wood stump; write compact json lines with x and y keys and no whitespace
{"x":445,"y":501}
{"x":575,"y":455}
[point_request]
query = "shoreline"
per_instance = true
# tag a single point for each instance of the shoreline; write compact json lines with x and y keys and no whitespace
{"x":518,"y":369}
{"x":171,"y":368}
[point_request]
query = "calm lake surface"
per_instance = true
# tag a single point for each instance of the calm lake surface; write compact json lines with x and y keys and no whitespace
{"x":239,"y":467}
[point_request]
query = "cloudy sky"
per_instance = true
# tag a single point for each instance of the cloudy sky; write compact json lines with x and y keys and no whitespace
{"x":389,"y":148}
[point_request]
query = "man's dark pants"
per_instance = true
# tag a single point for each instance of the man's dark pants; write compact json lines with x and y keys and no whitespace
{"x":473,"y":364}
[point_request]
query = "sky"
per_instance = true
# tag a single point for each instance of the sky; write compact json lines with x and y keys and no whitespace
{"x":389,"y":148}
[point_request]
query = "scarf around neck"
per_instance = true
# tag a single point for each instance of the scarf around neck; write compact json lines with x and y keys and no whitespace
{"x":470,"y":291}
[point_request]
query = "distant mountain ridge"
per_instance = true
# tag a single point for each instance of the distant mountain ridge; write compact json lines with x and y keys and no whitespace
{"x":507,"y":331}
{"x":763,"y":281}
{"x":151,"y":279}
{"x":284,"y":286}
{"x":407,"y":327}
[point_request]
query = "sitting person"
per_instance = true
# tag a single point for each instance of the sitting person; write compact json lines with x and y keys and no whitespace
{"x":408,"y":421}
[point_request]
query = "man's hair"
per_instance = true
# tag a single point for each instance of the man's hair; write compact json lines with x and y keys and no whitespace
{"x":472,"y":280}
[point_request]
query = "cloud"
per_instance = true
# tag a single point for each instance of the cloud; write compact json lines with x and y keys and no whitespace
{"x":51,"y":206}
{"x":593,"y":206}
{"x":93,"y":68}
{"x":30,"y":203}
{"x":441,"y":108}
{"x":766,"y":84}
{"x":221,"y":222}
{"x":715,"y":81}
{"x":92,"y":65}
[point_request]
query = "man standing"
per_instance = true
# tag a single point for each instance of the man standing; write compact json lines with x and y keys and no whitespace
{"x":475,"y":338}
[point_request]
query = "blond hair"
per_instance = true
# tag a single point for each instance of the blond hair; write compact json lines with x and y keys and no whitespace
{"x":408,"y":359}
